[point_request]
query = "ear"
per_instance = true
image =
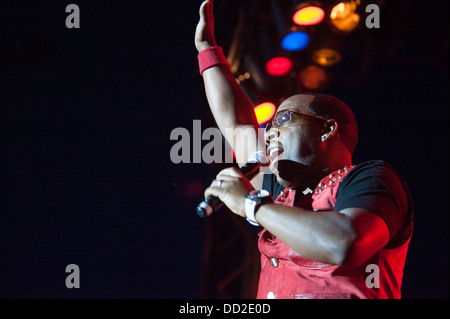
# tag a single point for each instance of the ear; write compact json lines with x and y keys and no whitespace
{"x":329,"y":128}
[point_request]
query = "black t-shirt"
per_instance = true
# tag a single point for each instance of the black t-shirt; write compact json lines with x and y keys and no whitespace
{"x":376,"y":187}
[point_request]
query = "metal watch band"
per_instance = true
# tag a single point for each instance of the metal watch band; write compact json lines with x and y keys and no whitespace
{"x":252,"y":202}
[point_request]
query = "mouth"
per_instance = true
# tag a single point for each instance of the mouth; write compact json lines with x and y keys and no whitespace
{"x":274,"y":151}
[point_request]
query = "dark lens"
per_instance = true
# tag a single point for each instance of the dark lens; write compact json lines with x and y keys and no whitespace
{"x":282,"y":118}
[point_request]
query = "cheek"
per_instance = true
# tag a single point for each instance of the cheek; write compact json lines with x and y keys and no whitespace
{"x":298,"y":146}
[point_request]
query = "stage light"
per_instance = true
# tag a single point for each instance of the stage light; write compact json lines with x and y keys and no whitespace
{"x":343,"y":16}
{"x":241,"y":78}
{"x":279,"y":66}
{"x":309,"y":15}
{"x":264,"y":112}
{"x":313,"y":77}
{"x":295,"y":41}
{"x":326,"y":57}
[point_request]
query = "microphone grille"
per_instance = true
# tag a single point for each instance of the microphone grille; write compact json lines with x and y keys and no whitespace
{"x":259,"y":157}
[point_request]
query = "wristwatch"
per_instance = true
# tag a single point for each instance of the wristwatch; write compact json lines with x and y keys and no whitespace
{"x":253,"y":200}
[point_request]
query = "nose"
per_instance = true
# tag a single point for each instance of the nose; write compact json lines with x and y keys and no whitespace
{"x":273,"y":132}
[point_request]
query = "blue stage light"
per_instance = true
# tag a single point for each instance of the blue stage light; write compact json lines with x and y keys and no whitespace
{"x":295,"y":41}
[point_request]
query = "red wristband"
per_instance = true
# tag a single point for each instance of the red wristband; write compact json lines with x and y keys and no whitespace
{"x":211,"y":57}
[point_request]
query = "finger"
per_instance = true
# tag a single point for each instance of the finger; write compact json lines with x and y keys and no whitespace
{"x":217,"y":183}
{"x":206,"y":8}
{"x":202,"y":7}
{"x":213,"y":191}
{"x":227,"y":183}
{"x":229,"y":172}
{"x":209,"y":18}
{"x":209,"y":7}
{"x":225,"y":180}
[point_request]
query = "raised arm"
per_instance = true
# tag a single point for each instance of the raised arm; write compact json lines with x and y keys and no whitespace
{"x":231,"y":108}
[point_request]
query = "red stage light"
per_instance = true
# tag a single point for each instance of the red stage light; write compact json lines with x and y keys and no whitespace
{"x":279,"y":66}
{"x":309,"y":15}
{"x":264,"y":112}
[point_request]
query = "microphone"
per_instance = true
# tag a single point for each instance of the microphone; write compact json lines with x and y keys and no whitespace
{"x":249,"y":170}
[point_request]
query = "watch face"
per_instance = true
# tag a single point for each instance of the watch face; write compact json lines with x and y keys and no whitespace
{"x":259,"y":193}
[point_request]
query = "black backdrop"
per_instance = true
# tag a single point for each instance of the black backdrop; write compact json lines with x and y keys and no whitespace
{"x":85,"y":172}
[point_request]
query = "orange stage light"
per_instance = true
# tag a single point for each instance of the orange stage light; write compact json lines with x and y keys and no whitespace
{"x":264,"y":112}
{"x":343,"y":16}
{"x":313,"y":77}
{"x":326,"y":57}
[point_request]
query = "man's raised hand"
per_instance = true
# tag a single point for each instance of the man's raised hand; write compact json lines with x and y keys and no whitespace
{"x":204,"y":33}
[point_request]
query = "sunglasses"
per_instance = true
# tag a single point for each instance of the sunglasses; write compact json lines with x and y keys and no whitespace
{"x":282,"y":118}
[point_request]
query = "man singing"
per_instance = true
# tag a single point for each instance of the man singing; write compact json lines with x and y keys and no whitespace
{"x":331,"y":229}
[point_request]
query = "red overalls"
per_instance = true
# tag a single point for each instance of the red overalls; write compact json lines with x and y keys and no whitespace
{"x":285,"y":274}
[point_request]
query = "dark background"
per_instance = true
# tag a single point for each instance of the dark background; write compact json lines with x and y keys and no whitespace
{"x":85,"y":172}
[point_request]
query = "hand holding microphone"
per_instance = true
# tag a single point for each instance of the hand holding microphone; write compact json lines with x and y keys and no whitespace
{"x":249,"y":170}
